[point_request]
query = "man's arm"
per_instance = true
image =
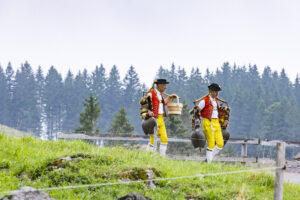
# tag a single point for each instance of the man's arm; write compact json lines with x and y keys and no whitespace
{"x":167,"y":100}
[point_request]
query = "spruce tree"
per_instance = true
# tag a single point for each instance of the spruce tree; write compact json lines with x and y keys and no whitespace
{"x":131,"y":98}
{"x":88,"y":118}
{"x":25,"y":110}
{"x":175,"y":126}
{"x":40,"y":95}
{"x":98,"y":82}
{"x":181,"y":82}
{"x":297,"y":90}
{"x":113,"y":96}
{"x":120,"y":123}
{"x":185,"y":116}
{"x":196,"y":86}
{"x":163,"y":73}
{"x":98,"y":88}
{"x":4,"y":97}
{"x":54,"y":102}
{"x":71,"y":102}
{"x":132,"y":85}
{"x":10,"y":81}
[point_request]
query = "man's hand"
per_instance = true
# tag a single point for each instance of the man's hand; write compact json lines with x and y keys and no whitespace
{"x":167,"y":100}
{"x":150,"y":113}
{"x":225,"y":123}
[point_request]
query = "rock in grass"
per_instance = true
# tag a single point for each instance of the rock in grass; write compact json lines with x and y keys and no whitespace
{"x":134,"y":196}
{"x":27,"y":193}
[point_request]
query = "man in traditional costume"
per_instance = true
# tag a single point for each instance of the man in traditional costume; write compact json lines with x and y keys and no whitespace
{"x":158,"y":111}
{"x":208,"y":107}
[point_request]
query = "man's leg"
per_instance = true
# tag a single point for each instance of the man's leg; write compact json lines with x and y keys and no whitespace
{"x":218,"y":136}
{"x":152,"y":145}
{"x":162,"y":132}
{"x":207,"y":129}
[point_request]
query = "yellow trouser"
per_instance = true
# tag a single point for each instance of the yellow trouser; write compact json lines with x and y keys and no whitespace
{"x":162,"y":133}
{"x":213,"y":133}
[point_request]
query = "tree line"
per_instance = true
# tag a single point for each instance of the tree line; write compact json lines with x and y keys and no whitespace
{"x":263,"y":105}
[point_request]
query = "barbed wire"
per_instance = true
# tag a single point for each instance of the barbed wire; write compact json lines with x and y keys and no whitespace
{"x":201,"y":176}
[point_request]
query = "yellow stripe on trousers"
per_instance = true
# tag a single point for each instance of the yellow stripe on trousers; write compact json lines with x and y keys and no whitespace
{"x":162,"y":132}
{"x":213,"y":133}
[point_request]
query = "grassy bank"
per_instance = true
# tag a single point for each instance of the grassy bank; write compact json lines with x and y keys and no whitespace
{"x":12,"y":132}
{"x":31,"y":162}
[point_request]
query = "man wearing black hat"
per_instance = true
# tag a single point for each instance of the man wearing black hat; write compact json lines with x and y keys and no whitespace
{"x":208,"y":107}
{"x":158,"y":111}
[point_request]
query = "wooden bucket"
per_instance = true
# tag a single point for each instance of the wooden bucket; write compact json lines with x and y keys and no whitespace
{"x":174,"y":107}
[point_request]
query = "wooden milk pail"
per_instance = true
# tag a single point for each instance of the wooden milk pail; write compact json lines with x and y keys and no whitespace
{"x":174,"y":107}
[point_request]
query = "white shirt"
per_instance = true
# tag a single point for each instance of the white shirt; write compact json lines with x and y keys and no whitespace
{"x":161,"y":105}
{"x":215,"y":113}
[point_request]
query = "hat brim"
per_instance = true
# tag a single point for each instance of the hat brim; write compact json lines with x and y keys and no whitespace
{"x":162,"y":82}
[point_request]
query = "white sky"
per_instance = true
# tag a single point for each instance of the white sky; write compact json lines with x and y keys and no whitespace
{"x":77,"y":34}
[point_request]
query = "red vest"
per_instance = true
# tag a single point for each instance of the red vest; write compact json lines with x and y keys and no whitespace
{"x":155,"y":103}
{"x":207,"y":111}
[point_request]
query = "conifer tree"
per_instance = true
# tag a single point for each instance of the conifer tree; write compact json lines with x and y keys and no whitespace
{"x":88,"y":118}
{"x":175,"y":127}
{"x":10,"y":81}
{"x":54,"y":102}
{"x":181,"y":82}
{"x":98,"y":82}
{"x":40,"y":95}
{"x":3,"y":97}
{"x":26,"y":116}
{"x":185,"y":116}
{"x":297,"y":90}
{"x":120,"y":123}
{"x":132,"y":85}
{"x":132,"y":94}
{"x":196,"y":86}
{"x":163,"y":73}
{"x":72,"y":103}
{"x":113,"y":96}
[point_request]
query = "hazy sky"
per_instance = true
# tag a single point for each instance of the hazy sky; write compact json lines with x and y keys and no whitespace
{"x":73,"y":34}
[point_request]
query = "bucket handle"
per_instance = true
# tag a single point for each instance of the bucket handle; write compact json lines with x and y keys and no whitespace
{"x":173,"y":98}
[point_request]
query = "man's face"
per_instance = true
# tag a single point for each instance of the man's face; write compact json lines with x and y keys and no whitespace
{"x":161,"y":87}
{"x":214,"y":94}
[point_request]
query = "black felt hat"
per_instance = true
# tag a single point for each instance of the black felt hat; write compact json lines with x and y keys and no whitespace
{"x":214,"y":87}
{"x":161,"y":81}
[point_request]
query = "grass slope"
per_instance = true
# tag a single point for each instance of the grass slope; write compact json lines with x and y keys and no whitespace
{"x":12,"y":132}
{"x":32,"y":162}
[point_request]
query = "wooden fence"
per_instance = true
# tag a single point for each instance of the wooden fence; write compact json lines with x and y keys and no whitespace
{"x":280,"y":150}
{"x":142,"y":138}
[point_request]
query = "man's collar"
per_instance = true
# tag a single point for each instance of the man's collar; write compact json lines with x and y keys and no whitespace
{"x":212,"y":97}
{"x":157,"y":91}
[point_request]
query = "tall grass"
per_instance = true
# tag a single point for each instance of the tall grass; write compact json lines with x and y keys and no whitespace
{"x":29,"y":161}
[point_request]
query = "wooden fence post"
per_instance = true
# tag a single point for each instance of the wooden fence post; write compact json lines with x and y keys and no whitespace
{"x":280,"y":162}
{"x":244,"y":150}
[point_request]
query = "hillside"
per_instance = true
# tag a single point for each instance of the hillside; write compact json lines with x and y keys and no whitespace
{"x":32,"y":162}
{"x":12,"y":132}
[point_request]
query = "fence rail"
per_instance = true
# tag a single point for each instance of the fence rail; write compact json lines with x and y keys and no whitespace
{"x":124,"y":137}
